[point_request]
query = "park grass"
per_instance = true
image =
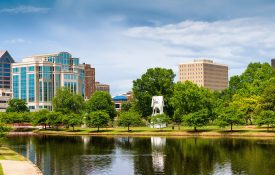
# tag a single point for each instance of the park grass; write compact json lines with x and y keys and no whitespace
{"x":8,"y":154}
{"x":1,"y":170}
{"x":239,"y":131}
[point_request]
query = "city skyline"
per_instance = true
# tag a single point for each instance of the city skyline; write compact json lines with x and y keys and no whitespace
{"x":121,"y":39}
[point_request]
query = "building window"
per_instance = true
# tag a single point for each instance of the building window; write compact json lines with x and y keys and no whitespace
{"x":15,"y":86}
{"x":31,"y":68}
{"x":23,"y":83}
{"x":31,"y":87}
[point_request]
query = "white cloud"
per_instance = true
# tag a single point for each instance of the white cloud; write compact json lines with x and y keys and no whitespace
{"x":14,"y":41}
{"x":122,"y":54}
{"x":24,"y":9}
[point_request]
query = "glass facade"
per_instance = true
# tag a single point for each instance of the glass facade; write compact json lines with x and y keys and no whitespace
{"x":31,"y":87}
{"x":5,"y":70}
{"x":23,"y":83}
{"x":15,"y":86}
{"x":60,"y":70}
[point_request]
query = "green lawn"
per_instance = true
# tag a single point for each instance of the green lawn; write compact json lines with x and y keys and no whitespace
{"x":1,"y":170}
{"x":8,"y":154}
{"x":146,"y":131}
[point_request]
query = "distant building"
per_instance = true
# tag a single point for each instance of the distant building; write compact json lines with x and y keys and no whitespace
{"x":5,"y":69}
{"x":37,"y":78}
{"x":205,"y":73}
{"x":118,"y":100}
{"x":90,"y":87}
{"x":273,"y":63}
{"x":102,"y":87}
{"x":5,"y":97}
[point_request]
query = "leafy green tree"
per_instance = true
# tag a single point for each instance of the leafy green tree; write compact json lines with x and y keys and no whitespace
{"x":266,"y":117}
{"x":159,"y":119}
{"x":155,"y":82}
{"x":229,"y":116}
{"x":54,"y":119}
{"x":17,"y":105}
{"x":128,"y":119}
{"x":189,"y":100}
{"x":101,"y":101}
{"x":97,"y":119}
{"x":67,"y":102}
{"x":41,"y":118}
{"x":72,"y":120}
{"x":252,"y":82}
{"x":267,"y":101}
{"x":3,"y":130}
{"x":196,"y":119}
{"x":126,"y":106}
{"x":246,"y":105}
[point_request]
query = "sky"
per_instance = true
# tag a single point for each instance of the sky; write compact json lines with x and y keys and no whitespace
{"x":123,"y":38}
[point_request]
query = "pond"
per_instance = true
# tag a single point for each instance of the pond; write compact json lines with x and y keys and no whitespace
{"x":66,"y":155}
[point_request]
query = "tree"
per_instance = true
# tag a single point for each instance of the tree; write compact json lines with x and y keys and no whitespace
{"x":229,"y":116}
{"x":266,"y":117}
{"x":128,"y":119}
{"x":155,"y":82}
{"x":252,"y":81}
{"x":40,"y":118}
{"x":54,"y":119}
{"x":196,"y":119}
{"x":72,"y":120}
{"x":126,"y":106}
{"x":17,"y":105}
{"x":159,"y":119}
{"x":246,"y":105}
{"x":189,"y":100}
{"x":67,"y":102}
{"x":101,"y":101}
{"x":97,"y":119}
{"x":267,"y":101}
{"x":3,"y":130}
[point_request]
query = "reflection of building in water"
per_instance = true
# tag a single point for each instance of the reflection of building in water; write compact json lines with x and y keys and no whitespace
{"x":86,"y":140}
{"x":158,"y":156}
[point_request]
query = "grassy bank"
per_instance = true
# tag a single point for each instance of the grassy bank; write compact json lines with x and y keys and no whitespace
{"x":8,"y":154}
{"x":239,"y":131}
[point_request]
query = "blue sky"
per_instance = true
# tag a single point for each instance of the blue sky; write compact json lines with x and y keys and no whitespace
{"x":122,"y":38}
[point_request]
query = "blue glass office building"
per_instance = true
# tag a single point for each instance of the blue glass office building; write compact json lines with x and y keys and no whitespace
{"x":37,"y":78}
{"x":5,"y":69}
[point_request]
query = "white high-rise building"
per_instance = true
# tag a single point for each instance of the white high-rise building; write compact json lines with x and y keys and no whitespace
{"x":37,"y":78}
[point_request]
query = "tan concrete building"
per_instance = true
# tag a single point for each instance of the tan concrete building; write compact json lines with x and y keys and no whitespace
{"x":90,"y":87}
{"x":5,"y":97}
{"x":205,"y":73}
{"x":102,"y":87}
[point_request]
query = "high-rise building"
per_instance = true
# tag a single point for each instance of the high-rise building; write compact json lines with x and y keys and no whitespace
{"x":37,"y":78}
{"x":5,"y":69}
{"x":273,"y":63}
{"x":205,"y":73}
{"x":102,"y":87}
{"x":89,"y":81}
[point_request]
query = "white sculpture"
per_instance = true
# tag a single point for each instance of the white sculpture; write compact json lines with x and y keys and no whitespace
{"x":157,"y":105}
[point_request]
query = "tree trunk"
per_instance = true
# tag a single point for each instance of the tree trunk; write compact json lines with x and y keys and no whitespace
{"x":98,"y":129}
{"x":45,"y":126}
{"x":250,"y":121}
{"x":73,"y":128}
{"x":128,"y":128}
{"x":231,"y":127}
{"x":195,"y":129}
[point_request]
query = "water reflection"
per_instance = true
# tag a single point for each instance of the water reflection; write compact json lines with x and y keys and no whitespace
{"x":155,"y":155}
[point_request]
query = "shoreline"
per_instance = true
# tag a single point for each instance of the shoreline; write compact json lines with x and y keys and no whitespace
{"x":222,"y":134}
{"x":17,"y":164}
